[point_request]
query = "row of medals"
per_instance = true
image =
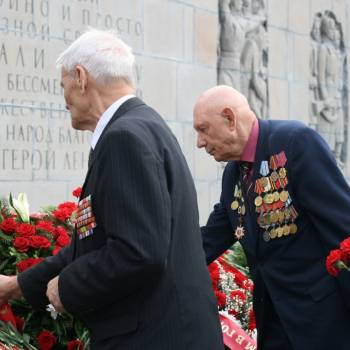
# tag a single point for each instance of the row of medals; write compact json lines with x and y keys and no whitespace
{"x":274,"y":205}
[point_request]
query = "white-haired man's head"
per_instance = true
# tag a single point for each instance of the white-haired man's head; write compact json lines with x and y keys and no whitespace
{"x":104,"y":56}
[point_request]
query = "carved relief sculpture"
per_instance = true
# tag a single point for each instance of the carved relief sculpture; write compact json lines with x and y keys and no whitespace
{"x":242,"y":52}
{"x":327,"y":82}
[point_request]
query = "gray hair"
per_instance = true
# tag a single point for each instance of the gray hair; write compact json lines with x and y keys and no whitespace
{"x":102,"y":54}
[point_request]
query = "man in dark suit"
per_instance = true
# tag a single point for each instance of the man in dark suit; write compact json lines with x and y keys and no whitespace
{"x":287,"y":202}
{"x":135,"y":271}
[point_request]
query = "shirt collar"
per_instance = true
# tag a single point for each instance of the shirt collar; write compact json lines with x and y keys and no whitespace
{"x":106,"y":117}
{"x":248,"y":154}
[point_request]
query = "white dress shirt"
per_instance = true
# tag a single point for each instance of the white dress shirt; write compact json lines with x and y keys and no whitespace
{"x":106,"y":117}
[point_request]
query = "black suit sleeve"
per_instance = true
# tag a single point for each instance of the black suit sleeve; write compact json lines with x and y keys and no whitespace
{"x":33,"y":282}
{"x":217,"y":235}
{"x":134,"y":202}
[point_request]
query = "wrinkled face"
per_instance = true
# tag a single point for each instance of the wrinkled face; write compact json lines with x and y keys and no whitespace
{"x":214,"y":134}
{"x":76,"y":102}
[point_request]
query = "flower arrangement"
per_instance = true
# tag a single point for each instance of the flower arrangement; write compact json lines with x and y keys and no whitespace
{"x":338,"y":259}
{"x":25,"y":240}
{"x":233,"y":289}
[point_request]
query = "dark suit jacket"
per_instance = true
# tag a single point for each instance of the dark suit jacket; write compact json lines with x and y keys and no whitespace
{"x":140,"y":281}
{"x":310,"y":303}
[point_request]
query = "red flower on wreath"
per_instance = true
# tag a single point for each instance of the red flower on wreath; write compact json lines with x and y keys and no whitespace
{"x":221,"y":298}
{"x":46,"y":340}
{"x":8,"y":225}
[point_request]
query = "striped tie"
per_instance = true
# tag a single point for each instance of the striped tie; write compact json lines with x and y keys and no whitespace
{"x":246,"y":172}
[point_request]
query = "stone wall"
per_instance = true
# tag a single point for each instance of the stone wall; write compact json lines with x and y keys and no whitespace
{"x":176,"y":45}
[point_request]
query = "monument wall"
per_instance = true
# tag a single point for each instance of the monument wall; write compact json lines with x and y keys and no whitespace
{"x":179,"y":53}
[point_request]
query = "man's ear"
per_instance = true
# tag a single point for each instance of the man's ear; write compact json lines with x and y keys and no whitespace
{"x":81,"y":78}
{"x":230,"y":116}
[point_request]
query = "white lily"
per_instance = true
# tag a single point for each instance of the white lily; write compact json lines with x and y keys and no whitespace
{"x":21,"y":206}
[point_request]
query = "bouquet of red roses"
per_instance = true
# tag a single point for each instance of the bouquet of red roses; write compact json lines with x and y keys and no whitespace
{"x":233,"y":290}
{"x":25,"y":240}
{"x":338,"y":259}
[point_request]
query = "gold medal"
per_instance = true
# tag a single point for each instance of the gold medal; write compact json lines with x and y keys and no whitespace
{"x":234,"y":205}
{"x":264,"y":181}
{"x":279,"y":231}
{"x":284,"y":195}
{"x":268,"y":198}
{"x":274,"y":176}
{"x":286,"y":230}
{"x":274,"y":217}
{"x":273,"y":234}
{"x":258,"y":201}
{"x":243,"y":210}
{"x":276,"y":196}
{"x":282,"y":173}
{"x":293,"y":229}
{"x":281,"y":216}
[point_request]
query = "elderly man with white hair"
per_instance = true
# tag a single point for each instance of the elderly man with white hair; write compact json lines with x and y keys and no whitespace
{"x":135,"y":271}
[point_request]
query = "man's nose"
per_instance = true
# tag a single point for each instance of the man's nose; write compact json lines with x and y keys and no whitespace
{"x":200,"y":142}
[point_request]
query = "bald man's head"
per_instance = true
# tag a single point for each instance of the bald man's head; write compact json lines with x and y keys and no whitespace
{"x":223,"y":120}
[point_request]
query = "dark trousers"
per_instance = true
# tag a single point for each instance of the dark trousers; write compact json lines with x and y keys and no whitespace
{"x":272,"y":335}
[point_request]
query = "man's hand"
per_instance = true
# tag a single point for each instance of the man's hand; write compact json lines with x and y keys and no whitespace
{"x":53,"y":295}
{"x":9,"y":288}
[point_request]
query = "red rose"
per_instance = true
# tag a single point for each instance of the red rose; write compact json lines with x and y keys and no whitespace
{"x":77,"y":192}
{"x":59,"y":230}
{"x":19,"y":323}
{"x":221,"y":298}
{"x":68,"y":206}
{"x":62,"y":214}
{"x":40,"y":242}
{"x":21,"y":244}
{"x":75,"y":345}
{"x":8,"y":225}
{"x":63,"y":240}
{"x":6,"y":314}
{"x":25,"y":230}
{"x":331,"y":261}
{"x":27,"y":263}
{"x":46,"y":340}
{"x":56,"y":250}
{"x":64,"y":211}
{"x":45,"y":226}
{"x":345,"y":248}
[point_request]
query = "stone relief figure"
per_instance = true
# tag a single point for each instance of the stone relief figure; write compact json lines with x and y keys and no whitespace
{"x":327,"y":64}
{"x":231,"y":42}
{"x":242,"y":51}
{"x":253,"y":77}
{"x":313,"y":84}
